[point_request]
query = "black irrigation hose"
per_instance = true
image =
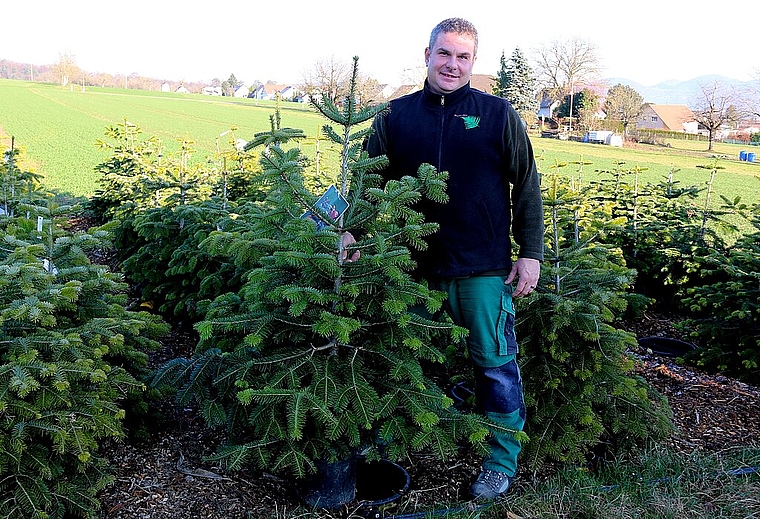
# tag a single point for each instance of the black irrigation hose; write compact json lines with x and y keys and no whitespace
{"x":440,"y":513}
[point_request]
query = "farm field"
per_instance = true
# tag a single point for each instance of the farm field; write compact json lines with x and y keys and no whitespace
{"x":58,"y":129}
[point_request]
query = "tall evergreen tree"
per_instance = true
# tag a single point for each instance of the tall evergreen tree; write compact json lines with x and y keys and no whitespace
{"x":516,"y":83}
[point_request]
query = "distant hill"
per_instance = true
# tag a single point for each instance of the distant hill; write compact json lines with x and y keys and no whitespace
{"x":678,"y":92}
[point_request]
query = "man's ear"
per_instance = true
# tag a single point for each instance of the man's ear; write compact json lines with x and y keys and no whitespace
{"x":427,"y":56}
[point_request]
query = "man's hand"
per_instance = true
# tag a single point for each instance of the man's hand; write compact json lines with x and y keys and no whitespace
{"x":348,"y":239}
{"x":526,"y":270}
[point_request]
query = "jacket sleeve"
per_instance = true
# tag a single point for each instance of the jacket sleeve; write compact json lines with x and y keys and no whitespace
{"x":377,"y":142}
{"x":527,"y":205}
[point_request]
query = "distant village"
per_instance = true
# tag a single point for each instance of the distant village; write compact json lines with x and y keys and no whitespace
{"x":654,"y":116}
{"x":271,"y":91}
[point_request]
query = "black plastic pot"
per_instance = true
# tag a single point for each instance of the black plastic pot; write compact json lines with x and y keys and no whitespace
{"x":371,"y":484}
{"x":333,"y":485}
{"x":666,"y":346}
{"x":380,"y":482}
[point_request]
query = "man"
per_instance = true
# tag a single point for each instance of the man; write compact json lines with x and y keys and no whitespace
{"x":493,"y":187}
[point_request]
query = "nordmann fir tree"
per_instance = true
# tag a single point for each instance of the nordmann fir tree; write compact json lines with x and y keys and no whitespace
{"x":158,"y":207}
{"x":579,"y":389}
{"x":122,"y":185}
{"x":123,"y":194}
{"x":169,"y":268}
{"x":665,"y":235}
{"x":70,"y":358}
{"x":724,"y":311}
{"x":16,"y":185}
{"x":318,"y":357}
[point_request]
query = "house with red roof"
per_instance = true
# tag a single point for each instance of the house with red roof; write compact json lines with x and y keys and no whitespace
{"x":674,"y":118}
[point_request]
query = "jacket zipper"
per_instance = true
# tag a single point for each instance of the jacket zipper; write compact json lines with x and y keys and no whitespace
{"x":440,"y":134}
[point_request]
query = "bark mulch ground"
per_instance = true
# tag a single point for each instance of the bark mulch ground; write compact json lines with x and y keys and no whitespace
{"x":166,"y":476}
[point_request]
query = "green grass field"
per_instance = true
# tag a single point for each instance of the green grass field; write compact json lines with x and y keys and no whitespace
{"x":736,"y":178}
{"x":58,"y":128}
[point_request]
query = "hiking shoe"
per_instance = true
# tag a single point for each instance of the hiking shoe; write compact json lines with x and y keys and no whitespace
{"x":490,"y":485}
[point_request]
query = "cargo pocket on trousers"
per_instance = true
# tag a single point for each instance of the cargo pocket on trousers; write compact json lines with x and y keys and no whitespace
{"x":506,"y":331}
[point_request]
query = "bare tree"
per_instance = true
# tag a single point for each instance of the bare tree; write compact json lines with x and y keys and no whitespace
{"x":414,"y":75}
{"x":749,"y":97}
{"x":713,"y":108}
{"x":368,"y":90}
{"x":332,"y":77}
{"x":327,"y":77}
{"x":563,"y":65}
{"x":66,"y":68}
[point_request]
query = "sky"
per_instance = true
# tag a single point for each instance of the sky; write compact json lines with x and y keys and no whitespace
{"x":646,"y":41}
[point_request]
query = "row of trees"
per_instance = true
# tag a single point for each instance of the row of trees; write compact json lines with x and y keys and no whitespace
{"x":279,"y":312}
{"x":303,"y":355}
{"x":67,"y":73}
{"x":73,"y":357}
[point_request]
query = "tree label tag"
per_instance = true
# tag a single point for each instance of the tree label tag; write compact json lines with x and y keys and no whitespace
{"x":330,"y":206}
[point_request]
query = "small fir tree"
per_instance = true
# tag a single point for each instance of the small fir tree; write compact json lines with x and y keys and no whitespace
{"x":724,"y":305}
{"x":16,"y":185}
{"x":665,"y":232}
{"x":159,"y":208}
{"x":72,"y":360}
{"x":318,"y":357}
{"x":578,"y":387}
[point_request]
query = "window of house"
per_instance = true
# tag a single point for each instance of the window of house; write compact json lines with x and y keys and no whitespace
{"x":654,"y":119}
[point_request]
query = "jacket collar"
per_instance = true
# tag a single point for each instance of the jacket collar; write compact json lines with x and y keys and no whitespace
{"x":448,"y":99}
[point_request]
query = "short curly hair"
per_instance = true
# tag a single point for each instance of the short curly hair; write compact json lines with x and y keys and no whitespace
{"x":457,"y":25}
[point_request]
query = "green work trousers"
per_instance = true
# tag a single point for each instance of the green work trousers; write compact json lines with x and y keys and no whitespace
{"x":483,"y":304}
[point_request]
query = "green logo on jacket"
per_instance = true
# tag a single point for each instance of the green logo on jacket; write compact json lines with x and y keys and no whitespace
{"x":470,"y":121}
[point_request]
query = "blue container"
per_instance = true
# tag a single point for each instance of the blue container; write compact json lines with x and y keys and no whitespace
{"x":750,"y":157}
{"x":742,"y":155}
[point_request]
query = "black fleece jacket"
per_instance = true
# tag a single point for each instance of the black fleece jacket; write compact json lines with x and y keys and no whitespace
{"x":493,"y":185}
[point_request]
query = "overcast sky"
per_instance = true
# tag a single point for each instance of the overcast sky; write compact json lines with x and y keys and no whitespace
{"x":647,"y":41}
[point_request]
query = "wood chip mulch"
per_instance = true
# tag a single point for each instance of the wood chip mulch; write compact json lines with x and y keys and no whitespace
{"x":166,"y":476}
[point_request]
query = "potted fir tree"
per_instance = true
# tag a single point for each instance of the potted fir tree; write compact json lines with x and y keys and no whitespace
{"x":319,"y":357}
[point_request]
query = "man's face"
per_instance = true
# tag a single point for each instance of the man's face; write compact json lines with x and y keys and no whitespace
{"x":449,"y":62}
